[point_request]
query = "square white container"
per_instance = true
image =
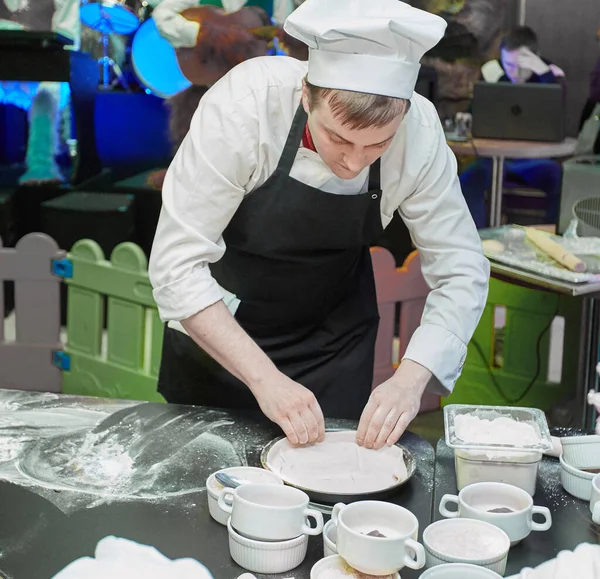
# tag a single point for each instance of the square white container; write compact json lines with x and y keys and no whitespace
{"x":518,"y":469}
{"x":533,"y":416}
{"x":515,"y":464}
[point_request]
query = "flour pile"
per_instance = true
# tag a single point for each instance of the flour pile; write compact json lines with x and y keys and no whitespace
{"x":503,"y":430}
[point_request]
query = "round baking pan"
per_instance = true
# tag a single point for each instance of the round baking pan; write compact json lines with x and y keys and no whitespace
{"x":324,"y":498}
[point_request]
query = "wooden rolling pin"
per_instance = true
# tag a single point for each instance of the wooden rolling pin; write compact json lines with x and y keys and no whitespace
{"x":555,"y":250}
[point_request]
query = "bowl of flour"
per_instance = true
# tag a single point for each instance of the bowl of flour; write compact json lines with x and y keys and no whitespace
{"x":496,"y":429}
{"x":466,"y":541}
{"x":497,"y":444}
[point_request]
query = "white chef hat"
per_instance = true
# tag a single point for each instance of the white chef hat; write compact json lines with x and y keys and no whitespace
{"x":369,"y":46}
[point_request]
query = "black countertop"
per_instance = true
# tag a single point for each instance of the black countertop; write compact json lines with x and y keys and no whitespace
{"x":42,"y":530}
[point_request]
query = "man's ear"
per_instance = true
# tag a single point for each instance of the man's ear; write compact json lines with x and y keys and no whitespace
{"x":305,"y":98}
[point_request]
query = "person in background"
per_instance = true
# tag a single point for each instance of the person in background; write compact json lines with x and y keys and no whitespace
{"x":520,"y":62}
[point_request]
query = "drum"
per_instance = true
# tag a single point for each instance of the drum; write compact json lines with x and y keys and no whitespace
{"x":113,"y":16}
{"x":155,"y":62}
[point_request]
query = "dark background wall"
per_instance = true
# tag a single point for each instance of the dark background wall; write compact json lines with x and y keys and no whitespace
{"x":567,"y":32}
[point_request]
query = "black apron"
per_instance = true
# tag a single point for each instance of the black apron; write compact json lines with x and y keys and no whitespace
{"x":298,"y":259}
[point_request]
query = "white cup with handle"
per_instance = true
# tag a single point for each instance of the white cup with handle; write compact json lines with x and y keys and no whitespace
{"x":265,"y":512}
{"x":508,"y":507}
{"x":595,"y":500}
{"x":376,"y":538}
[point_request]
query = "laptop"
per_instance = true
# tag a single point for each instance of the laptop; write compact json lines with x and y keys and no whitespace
{"x":520,"y":112}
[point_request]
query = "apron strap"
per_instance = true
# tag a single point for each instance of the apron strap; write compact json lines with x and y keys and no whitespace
{"x":288,"y":156}
{"x":375,"y":176}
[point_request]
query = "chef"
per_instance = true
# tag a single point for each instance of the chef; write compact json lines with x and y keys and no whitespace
{"x":261,"y":265}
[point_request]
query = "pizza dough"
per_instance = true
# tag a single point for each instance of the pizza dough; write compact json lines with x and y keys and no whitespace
{"x":338,"y":465}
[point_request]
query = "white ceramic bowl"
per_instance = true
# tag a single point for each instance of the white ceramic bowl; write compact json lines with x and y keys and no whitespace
{"x":463,"y":535}
{"x":581,"y":451}
{"x":333,"y":562}
{"x":459,"y":571}
{"x":266,"y":556}
{"x":329,"y":539}
{"x":576,"y":482}
{"x":213,"y":488}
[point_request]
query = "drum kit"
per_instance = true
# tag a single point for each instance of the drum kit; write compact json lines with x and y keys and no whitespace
{"x":153,"y":59}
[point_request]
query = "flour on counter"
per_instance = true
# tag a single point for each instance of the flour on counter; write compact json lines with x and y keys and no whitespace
{"x":502,"y":430}
{"x":19,"y":425}
{"x":161,"y":456}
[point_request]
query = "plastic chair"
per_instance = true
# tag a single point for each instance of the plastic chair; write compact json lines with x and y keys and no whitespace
{"x":404,"y":286}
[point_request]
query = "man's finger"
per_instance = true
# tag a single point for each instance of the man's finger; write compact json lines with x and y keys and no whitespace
{"x":312,"y":428}
{"x":386,"y":429}
{"x":289,"y":431}
{"x":365,"y":420}
{"x":375,"y":426}
{"x":315,"y":408}
{"x":299,"y":427}
{"x":399,"y":429}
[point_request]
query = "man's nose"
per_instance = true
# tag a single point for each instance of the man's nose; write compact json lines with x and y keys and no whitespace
{"x":355,"y":161}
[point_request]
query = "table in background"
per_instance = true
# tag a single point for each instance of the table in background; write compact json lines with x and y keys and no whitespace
{"x":499,"y":150}
{"x":589,"y":340}
{"x":37,"y":539}
{"x":571,"y":518}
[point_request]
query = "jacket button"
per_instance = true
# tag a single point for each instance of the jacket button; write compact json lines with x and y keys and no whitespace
{"x":374,"y":196}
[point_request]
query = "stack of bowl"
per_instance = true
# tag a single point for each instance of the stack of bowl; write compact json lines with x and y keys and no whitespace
{"x":268,"y":525}
{"x":241,"y":473}
{"x":490,"y":518}
{"x":579,"y":462}
{"x":372,"y":538}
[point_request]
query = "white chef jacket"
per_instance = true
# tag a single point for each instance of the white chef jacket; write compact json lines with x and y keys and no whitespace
{"x":234,"y":144}
{"x":181,"y":32}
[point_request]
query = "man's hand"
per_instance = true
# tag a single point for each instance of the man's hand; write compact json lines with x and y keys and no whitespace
{"x":532,"y":62}
{"x":293,"y":407}
{"x":392,"y":406}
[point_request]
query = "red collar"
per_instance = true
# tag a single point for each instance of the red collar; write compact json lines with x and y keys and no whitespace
{"x":307,"y":140}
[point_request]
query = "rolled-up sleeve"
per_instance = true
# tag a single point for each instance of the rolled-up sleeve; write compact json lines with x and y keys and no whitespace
{"x":203,"y":188}
{"x":179,"y":31}
{"x":453,"y":266}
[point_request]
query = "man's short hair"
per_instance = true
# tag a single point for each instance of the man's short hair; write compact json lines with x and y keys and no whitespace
{"x":357,"y":110}
{"x":519,"y":37}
